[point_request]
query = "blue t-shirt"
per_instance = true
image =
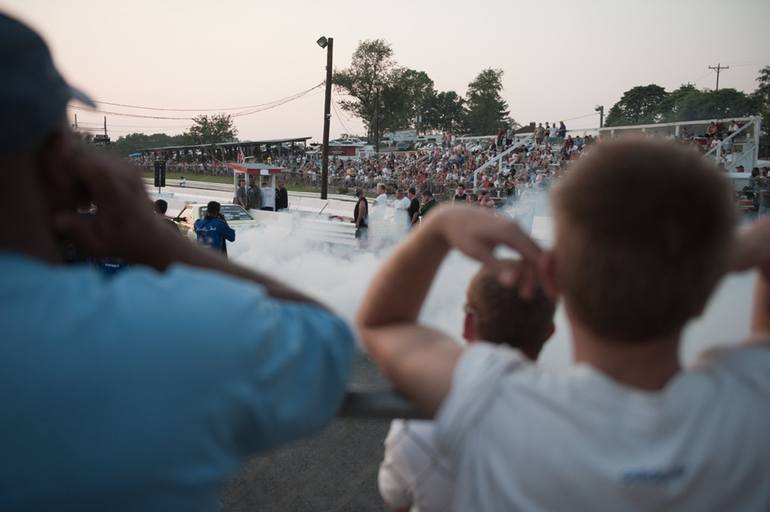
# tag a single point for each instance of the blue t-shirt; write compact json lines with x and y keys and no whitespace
{"x":213,"y":232}
{"x":144,"y":391}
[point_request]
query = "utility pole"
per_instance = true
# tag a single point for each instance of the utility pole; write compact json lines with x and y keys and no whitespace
{"x":76,"y":121}
{"x":329,"y":43}
{"x":377,"y":123}
{"x":600,"y":109}
{"x":105,"y":126}
{"x":719,"y":67}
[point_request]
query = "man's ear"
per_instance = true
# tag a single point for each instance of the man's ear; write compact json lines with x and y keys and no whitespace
{"x":469,"y":328}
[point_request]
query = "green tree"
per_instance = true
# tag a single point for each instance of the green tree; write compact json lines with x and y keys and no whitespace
{"x":669,"y":107}
{"x":486,"y":109}
{"x":210,"y":129}
{"x":445,"y":111}
{"x":366,"y":81}
{"x":639,"y":105}
{"x":719,"y":104}
{"x":133,"y":142}
{"x":417,"y":90}
{"x":761,"y":97}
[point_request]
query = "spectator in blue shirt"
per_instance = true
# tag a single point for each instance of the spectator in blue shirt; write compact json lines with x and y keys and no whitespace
{"x":112,"y":399}
{"x":212,"y":230}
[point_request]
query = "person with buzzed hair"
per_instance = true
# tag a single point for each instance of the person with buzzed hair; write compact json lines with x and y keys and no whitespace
{"x":414,"y":475}
{"x":627,"y":427}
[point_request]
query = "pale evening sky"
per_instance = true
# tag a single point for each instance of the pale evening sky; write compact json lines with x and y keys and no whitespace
{"x":561,"y":58}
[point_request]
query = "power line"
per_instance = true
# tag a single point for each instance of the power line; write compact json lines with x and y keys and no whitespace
{"x":221,"y":109}
{"x":339,"y":117}
{"x":272,"y":105}
{"x":580,"y":117}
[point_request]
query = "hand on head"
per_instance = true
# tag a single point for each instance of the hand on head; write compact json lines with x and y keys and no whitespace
{"x":752,"y":248}
{"x":124,"y":224}
{"x":478,"y":232}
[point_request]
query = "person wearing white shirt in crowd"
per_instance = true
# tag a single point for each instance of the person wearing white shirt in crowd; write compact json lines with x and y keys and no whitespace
{"x":401,"y":204}
{"x":414,"y":474}
{"x":553,"y":131}
{"x":627,"y":427}
{"x":382,"y":195}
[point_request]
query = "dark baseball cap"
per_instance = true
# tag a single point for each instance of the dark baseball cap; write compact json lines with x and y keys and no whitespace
{"x":33,"y":94}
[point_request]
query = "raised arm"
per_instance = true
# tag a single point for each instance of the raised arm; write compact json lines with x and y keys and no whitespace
{"x":753,"y":252}
{"x":143,"y":238}
{"x":418,"y":360}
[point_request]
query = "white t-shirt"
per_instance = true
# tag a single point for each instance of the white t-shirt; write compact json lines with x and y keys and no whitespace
{"x":381,"y":200}
{"x":522,"y":438}
{"x":402,"y":204}
{"x":268,"y":197}
{"x":413,"y":473}
{"x":553,"y":131}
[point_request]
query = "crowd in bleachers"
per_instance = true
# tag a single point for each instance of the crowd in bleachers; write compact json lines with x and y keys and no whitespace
{"x":442,"y":167}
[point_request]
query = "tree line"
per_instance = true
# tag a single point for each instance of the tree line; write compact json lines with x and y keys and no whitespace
{"x":205,"y":129}
{"x":649,"y":104}
{"x":388,"y":97}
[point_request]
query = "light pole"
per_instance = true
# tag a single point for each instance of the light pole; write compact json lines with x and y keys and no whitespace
{"x":328,"y":43}
{"x":600,"y":109}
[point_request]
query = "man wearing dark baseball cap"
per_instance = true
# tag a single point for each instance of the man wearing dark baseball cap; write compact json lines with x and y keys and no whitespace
{"x":109,"y":403}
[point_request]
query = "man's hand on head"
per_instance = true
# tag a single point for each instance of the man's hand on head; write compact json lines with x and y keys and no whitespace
{"x":752,"y":248}
{"x":477,"y":232}
{"x":125,"y":224}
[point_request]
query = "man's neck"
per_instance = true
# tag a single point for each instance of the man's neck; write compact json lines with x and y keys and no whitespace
{"x":648,"y":365}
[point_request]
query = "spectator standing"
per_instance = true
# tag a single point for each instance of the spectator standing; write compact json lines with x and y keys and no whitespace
{"x":414,"y":205}
{"x":414,"y":474}
{"x":539,"y":134}
{"x":241,"y":196}
{"x":552,"y":134}
{"x":401,"y":204}
{"x":281,"y":197}
{"x":642,"y":432}
{"x":562,"y":130}
{"x":267,"y":194}
{"x":254,"y":196}
{"x":382,"y":195}
{"x":427,"y":203}
{"x":113,"y":396}
{"x":361,"y":216}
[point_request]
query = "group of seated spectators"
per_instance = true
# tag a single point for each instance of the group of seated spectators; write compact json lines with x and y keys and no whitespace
{"x":442,"y":167}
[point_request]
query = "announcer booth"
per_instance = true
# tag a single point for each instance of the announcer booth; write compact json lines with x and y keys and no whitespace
{"x":262,"y":175}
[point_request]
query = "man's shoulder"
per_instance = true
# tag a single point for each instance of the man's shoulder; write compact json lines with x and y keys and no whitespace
{"x":747,"y":363}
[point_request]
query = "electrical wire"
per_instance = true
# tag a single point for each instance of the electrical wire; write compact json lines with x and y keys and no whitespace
{"x":222,"y":109}
{"x":339,"y":117}
{"x":270,"y":106}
